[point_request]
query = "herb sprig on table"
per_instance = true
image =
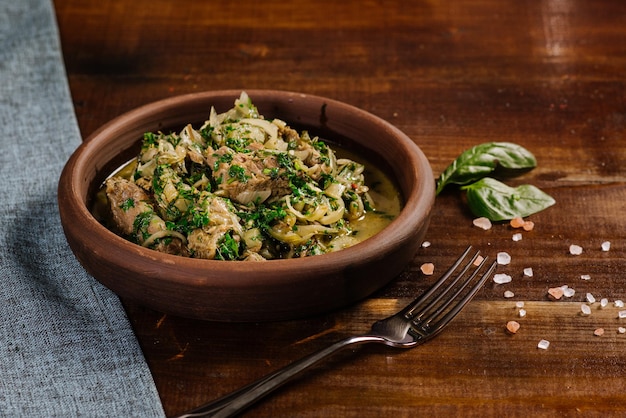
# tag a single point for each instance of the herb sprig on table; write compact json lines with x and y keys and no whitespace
{"x":487,"y":196}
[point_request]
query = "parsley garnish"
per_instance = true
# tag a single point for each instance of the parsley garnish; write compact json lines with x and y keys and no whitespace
{"x":141,"y":224}
{"x":127,"y":204}
{"x":222,"y":159}
{"x":264,"y":217}
{"x":237,"y":173}
{"x":228,"y":248}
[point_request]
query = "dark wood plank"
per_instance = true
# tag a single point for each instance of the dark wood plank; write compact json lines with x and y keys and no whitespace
{"x":548,"y":75}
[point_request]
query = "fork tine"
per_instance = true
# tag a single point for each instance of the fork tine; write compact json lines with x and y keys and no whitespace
{"x":453,"y":312}
{"x":426,"y":297}
{"x":433,"y":323}
{"x":450,"y":287}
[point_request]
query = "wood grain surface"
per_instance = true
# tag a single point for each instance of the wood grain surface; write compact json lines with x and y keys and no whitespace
{"x":547,"y":74}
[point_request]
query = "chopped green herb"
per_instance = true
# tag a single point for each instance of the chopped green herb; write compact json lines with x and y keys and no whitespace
{"x":141,"y":224}
{"x":228,"y":248}
{"x":127,"y":204}
{"x":237,"y":173}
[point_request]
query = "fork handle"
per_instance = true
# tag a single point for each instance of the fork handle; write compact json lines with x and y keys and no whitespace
{"x":237,"y":401}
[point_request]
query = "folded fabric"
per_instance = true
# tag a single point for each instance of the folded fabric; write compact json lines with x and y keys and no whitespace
{"x":67,"y":345}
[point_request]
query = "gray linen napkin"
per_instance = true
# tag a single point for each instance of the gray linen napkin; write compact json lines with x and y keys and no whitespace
{"x":66,"y":346}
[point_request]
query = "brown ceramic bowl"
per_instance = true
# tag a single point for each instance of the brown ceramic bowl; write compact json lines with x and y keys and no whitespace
{"x":245,"y":290}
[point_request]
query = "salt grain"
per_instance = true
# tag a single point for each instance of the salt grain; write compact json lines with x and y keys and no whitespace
{"x":517,"y":222}
{"x":512,"y":326}
{"x":425,"y":244}
{"x":585,"y":277}
{"x":502,"y":278}
{"x":555,"y":293}
{"x":427,"y":268}
{"x":575,"y":249}
{"x":479,"y":260}
{"x":568,"y":292}
{"x":522,"y":313}
{"x":599,"y":332}
{"x":606,"y":246}
{"x":604,"y":302}
{"x":528,"y":272}
{"x":585,"y":310}
{"x":590,"y":298}
{"x":482,"y":223}
{"x":618,"y":303}
{"x":508,"y":294}
{"x":517,"y":237}
{"x":543,"y":344}
{"x":503,"y":258}
{"x":621,"y":330}
{"x":519,"y":304}
{"x":621,"y":314}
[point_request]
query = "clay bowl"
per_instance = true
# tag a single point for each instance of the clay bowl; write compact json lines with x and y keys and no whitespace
{"x":246,"y":290}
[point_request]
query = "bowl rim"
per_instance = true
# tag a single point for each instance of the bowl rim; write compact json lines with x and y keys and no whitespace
{"x":415,"y":211}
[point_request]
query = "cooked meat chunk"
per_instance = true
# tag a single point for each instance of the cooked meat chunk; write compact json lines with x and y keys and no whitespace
{"x":126,"y":200}
{"x":250,"y":256}
{"x":218,"y":223}
{"x":248,"y":177}
{"x":135,"y":217}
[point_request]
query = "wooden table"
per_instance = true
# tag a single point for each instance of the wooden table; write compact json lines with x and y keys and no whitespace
{"x":549,"y":75}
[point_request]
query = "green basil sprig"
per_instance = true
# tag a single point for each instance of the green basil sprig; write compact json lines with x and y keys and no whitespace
{"x":497,"y":201}
{"x":500,"y":158}
{"x":489,"y":197}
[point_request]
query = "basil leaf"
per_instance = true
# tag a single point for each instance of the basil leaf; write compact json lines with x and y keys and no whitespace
{"x":498,"y":202}
{"x":503,"y":158}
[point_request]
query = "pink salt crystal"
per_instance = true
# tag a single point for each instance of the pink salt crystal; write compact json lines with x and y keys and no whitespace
{"x":555,"y":293}
{"x":482,"y":223}
{"x":427,"y":268}
{"x":512,"y":326}
{"x":517,"y":222}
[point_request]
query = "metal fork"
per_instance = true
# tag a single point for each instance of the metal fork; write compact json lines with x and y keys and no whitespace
{"x":417,"y":323}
